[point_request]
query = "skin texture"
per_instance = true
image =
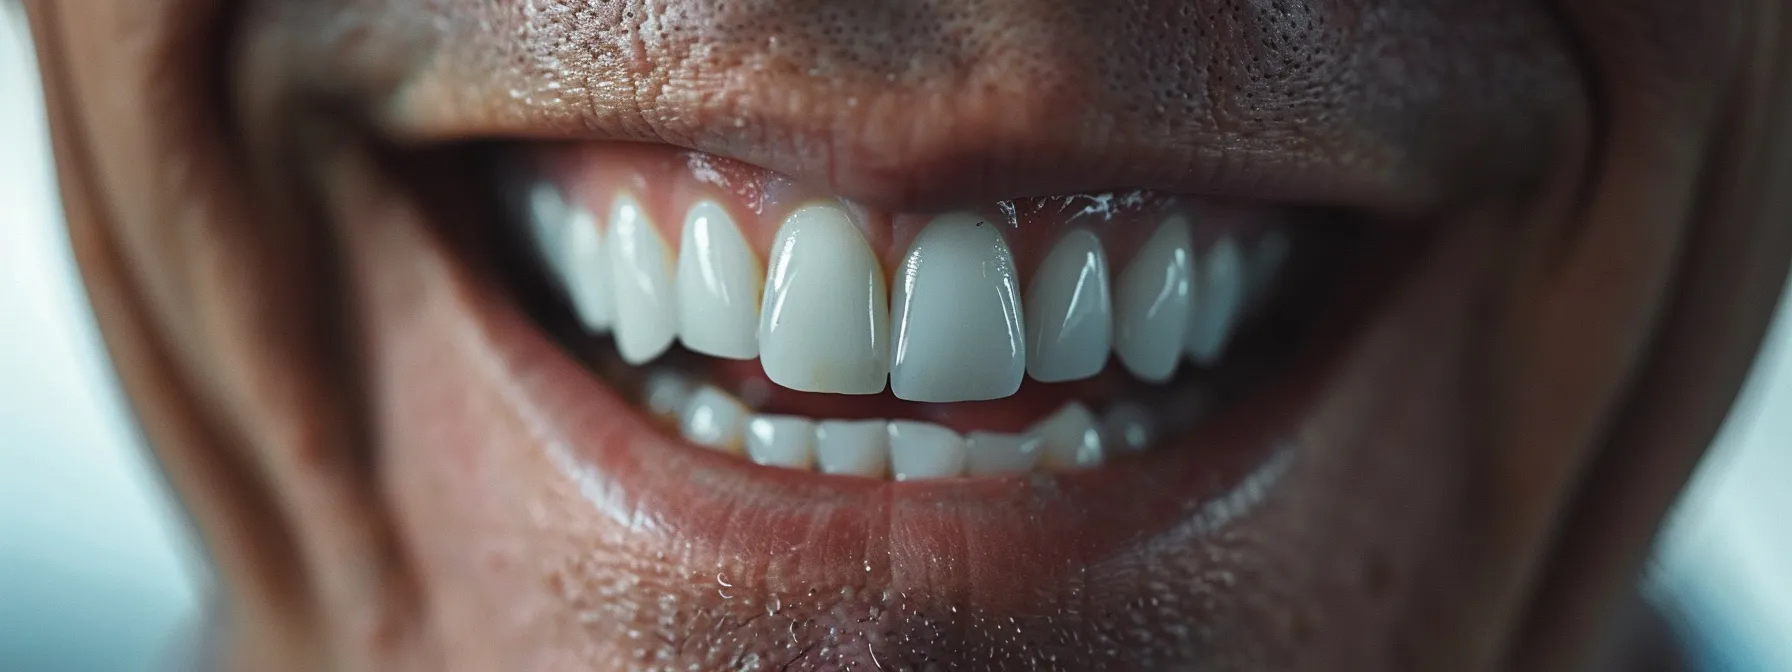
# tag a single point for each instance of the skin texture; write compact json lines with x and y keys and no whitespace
{"x":333,"y":385}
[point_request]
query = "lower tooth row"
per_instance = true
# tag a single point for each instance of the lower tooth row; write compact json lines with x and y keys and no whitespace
{"x":906,"y":450}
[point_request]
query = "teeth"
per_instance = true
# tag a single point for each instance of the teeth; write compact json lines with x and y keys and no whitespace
{"x":992,"y":453}
{"x":641,"y":268}
{"x":548,"y":217}
{"x":854,"y":447}
{"x":713,"y":418}
{"x":924,"y":450}
{"x":1072,"y":440}
{"x":718,"y":286}
{"x":1153,"y":303}
{"x":587,"y":272}
{"x":956,"y":315}
{"x":1070,"y":319}
{"x":1222,"y":294}
{"x":1128,"y":426}
{"x":781,"y":441}
{"x":665,"y":395}
{"x":822,"y":322}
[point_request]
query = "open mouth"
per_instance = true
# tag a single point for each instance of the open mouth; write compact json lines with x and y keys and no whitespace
{"x":749,"y":315}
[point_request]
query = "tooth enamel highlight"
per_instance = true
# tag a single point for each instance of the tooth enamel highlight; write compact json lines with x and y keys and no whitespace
{"x":925,"y":450}
{"x":713,"y":418}
{"x":822,"y":323}
{"x":1152,"y":303}
{"x":1128,"y":426}
{"x":1072,"y":439}
{"x":1070,"y":318}
{"x":1221,"y":297}
{"x":665,"y":395}
{"x":956,"y":316}
{"x":781,"y":441}
{"x":993,"y":453}
{"x":641,"y":268}
{"x":853,"y":447}
{"x":718,"y":286}
{"x":586,"y":272}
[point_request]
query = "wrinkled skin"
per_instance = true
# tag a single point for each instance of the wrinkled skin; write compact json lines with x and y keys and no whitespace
{"x":1476,"y":489}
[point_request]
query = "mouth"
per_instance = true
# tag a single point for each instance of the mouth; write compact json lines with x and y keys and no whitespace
{"x":835,"y":383}
{"x":1028,"y":337}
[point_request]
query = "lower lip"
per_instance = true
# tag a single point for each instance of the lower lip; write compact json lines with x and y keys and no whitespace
{"x":1013,"y":532}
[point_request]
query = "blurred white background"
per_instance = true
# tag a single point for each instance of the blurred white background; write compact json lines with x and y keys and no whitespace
{"x":99,"y":571}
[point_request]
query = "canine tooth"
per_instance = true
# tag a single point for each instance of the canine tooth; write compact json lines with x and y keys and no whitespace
{"x":665,"y":394}
{"x":781,"y":441}
{"x":719,"y":281}
{"x":713,"y":418}
{"x":586,"y":270}
{"x":924,"y":450}
{"x":1072,"y":439}
{"x":822,"y":322}
{"x":1221,"y":295}
{"x":995,"y":453}
{"x":641,"y":268}
{"x":955,"y":315}
{"x":548,"y":215}
{"x":855,"y":447}
{"x":1128,"y":426}
{"x":1152,"y":303}
{"x":1070,"y":317}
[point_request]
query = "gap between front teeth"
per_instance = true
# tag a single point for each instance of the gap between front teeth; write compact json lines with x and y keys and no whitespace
{"x":1070,"y":439}
{"x":952,"y":326}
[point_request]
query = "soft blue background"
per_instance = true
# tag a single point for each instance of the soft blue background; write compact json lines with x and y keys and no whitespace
{"x":98,"y":570}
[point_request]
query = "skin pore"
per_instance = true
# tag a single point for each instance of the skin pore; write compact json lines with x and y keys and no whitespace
{"x":392,"y":467}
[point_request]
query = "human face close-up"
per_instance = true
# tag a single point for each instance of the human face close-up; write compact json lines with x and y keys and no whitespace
{"x":1012,"y":334}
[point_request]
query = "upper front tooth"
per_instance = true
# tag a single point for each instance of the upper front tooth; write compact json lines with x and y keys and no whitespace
{"x":924,"y":450}
{"x":718,"y":286}
{"x":1221,"y":297}
{"x":1070,"y":319}
{"x":586,"y":270}
{"x":822,"y":322}
{"x":641,"y":267}
{"x":548,"y":215}
{"x":956,"y":316}
{"x":1267,"y":257}
{"x":1153,"y":303}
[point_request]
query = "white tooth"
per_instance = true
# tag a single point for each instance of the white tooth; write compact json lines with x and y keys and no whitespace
{"x":1071,"y":437}
{"x":587,"y":272}
{"x":641,"y":268}
{"x":955,"y":315}
{"x":1070,"y":318}
{"x":924,"y":450}
{"x":713,"y":418}
{"x":1128,"y":426}
{"x":1266,"y":262}
{"x":994,"y":453}
{"x":548,"y":217}
{"x":781,"y":441}
{"x":822,"y":322}
{"x":855,"y":447}
{"x":665,"y":394}
{"x":1220,"y":298}
{"x":718,"y":286}
{"x":1152,"y":303}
